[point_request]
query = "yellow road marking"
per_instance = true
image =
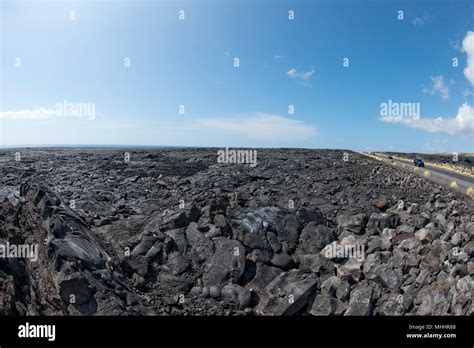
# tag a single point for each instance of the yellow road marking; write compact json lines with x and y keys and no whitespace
{"x":454,"y":184}
{"x":446,"y":166}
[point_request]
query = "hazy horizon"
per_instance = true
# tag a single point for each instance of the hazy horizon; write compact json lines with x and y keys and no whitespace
{"x":131,"y":146}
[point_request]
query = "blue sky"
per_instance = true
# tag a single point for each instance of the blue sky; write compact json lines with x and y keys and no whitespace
{"x":53,"y":56}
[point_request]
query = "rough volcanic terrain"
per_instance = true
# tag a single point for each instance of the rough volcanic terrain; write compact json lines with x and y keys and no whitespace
{"x":173,"y":232}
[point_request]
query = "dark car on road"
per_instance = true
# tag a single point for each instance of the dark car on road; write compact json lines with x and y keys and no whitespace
{"x":418,"y":162}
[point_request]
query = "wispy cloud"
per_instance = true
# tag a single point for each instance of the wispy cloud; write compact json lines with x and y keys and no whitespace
{"x":28,"y":114}
{"x":278,"y":56}
{"x":118,"y":126}
{"x":304,"y":75}
{"x":260,"y":127}
{"x":463,"y":123}
{"x":456,"y":45}
{"x":436,"y":145}
{"x":419,"y":21}
{"x":468,"y":47}
{"x":63,"y":109}
{"x":437,"y":87}
{"x":466,"y":92}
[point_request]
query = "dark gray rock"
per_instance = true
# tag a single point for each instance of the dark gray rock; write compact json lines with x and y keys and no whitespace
{"x":227,"y":263}
{"x":179,"y":237}
{"x":287,"y":293}
{"x":311,"y":215}
{"x":314,"y":238}
{"x":290,"y":229}
{"x":236,"y":294}
{"x":432,"y":300}
{"x":392,"y":305}
{"x":200,"y":248}
{"x":360,"y":302}
{"x":330,"y":285}
{"x":176,"y":219}
{"x":436,"y":256}
{"x":379,"y":221}
{"x":323,"y":304}
{"x":351,"y":223}
{"x":462,"y":298}
{"x":318,"y":264}
{"x":386,"y":276}
{"x":283,"y":261}
{"x":264,"y":274}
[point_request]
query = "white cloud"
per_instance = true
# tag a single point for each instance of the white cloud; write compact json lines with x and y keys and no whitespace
{"x":292,"y":73}
{"x":468,"y":47}
{"x":118,"y":126}
{"x":419,"y":21}
{"x":82,"y":110}
{"x":437,"y":87}
{"x":436,"y":146}
{"x":433,"y":148}
{"x":304,"y":75}
{"x":455,"y":44}
{"x":28,"y":114}
{"x":260,"y":127}
{"x":463,"y":123}
{"x":467,"y":93}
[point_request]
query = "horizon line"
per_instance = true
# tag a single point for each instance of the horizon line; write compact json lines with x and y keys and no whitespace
{"x":118,"y":146}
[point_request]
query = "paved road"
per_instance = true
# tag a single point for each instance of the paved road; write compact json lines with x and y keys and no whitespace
{"x":459,"y":182}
